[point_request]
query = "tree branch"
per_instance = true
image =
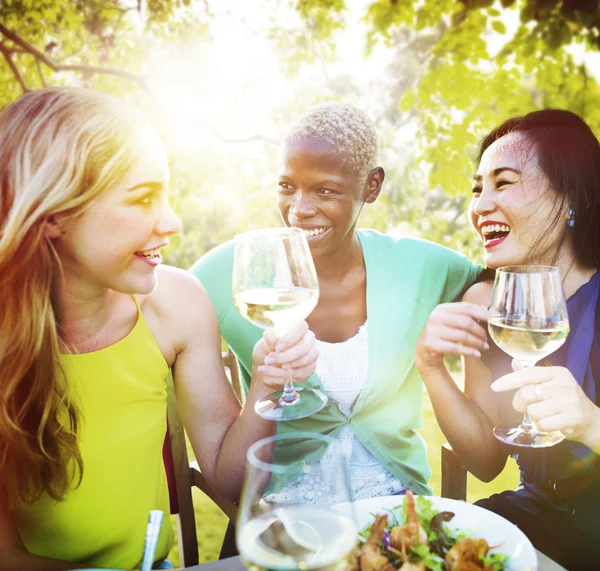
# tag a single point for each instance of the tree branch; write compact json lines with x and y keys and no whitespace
{"x":13,"y":50}
{"x":207,"y":8}
{"x":39,"y":68}
{"x":4,"y":51}
{"x":56,"y":67}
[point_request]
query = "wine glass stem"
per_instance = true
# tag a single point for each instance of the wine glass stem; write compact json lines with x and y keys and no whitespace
{"x":289,"y":396}
{"x":527,"y":425}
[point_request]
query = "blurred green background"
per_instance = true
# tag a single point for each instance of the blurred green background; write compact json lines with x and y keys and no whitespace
{"x":222,"y":79}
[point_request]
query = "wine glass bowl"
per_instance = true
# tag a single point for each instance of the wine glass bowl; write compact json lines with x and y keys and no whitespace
{"x":287,"y":518}
{"x":528,"y":321}
{"x":275,"y":286}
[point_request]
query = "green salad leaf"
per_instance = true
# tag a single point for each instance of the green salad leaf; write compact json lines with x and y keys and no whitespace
{"x":495,"y":560}
{"x":431,"y":560}
{"x":440,"y":538}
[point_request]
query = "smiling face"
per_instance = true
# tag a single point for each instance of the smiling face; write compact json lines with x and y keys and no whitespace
{"x":115,"y":243}
{"x":320,"y":195}
{"x":514,"y":209}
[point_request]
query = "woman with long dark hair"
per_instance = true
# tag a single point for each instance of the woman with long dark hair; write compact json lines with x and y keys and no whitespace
{"x":536,"y":199}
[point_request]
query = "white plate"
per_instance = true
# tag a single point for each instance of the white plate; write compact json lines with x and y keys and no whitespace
{"x":467,"y":518}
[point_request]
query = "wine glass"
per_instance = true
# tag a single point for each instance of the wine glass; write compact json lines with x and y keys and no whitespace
{"x":275,"y":286}
{"x":287,"y":519}
{"x":528,"y":320}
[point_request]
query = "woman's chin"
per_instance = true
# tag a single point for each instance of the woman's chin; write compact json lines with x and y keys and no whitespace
{"x":143,"y":285}
{"x":496,"y":260}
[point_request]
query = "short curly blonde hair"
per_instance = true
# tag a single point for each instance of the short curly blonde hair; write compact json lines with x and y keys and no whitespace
{"x":348,"y":129}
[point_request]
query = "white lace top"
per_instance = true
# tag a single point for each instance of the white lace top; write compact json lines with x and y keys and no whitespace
{"x":343,"y":367}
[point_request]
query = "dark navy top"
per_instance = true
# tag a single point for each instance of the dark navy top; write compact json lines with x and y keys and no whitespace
{"x":561,"y":519}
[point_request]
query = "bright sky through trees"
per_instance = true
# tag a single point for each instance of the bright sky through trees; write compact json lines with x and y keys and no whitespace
{"x":225,"y":77}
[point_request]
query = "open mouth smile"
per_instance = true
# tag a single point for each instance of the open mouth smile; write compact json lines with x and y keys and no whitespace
{"x":494,"y":234}
{"x":313,"y":232}
{"x":152,"y":257}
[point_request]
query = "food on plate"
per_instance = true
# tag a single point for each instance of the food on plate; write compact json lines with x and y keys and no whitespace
{"x":414,"y":537}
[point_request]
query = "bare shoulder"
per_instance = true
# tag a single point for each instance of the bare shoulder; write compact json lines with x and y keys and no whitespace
{"x":178,"y":290}
{"x":179,"y":301}
{"x":171,"y":278}
{"x":479,"y":293}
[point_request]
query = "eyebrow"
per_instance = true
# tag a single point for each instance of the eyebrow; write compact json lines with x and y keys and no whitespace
{"x":497,"y":171}
{"x":285,"y":178}
{"x":152,"y":184}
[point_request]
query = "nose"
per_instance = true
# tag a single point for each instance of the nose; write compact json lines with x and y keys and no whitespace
{"x":484,"y":204}
{"x":169,"y":223}
{"x":301,"y":205}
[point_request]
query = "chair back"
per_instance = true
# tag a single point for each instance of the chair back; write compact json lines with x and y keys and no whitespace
{"x":454,"y":475}
{"x":183,"y":474}
{"x":231,"y":367}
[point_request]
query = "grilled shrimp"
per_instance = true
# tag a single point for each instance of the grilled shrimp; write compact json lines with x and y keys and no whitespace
{"x":466,"y":554}
{"x":371,"y":558}
{"x":403,"y":537}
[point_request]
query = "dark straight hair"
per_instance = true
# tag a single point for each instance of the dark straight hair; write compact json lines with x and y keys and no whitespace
{"x":569,"y":155}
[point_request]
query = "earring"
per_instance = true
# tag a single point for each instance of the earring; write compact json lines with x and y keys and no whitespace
{"x":571,"y":220}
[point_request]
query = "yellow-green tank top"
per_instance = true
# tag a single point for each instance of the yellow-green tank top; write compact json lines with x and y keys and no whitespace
{"x":121,"y":393}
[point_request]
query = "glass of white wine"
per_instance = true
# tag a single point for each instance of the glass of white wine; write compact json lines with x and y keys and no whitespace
{"x":528,"y":320}
{"x":287,"y":519}
{"x":275,"y":286}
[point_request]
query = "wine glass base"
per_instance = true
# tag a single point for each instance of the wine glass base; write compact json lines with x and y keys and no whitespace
{"x":518,"y":437}
{"x":273,"y":408}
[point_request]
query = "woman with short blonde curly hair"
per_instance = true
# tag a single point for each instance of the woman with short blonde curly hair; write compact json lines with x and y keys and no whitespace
{"x":375,"y":294}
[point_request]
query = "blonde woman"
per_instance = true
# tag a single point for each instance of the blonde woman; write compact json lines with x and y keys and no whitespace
{"x":91,"y":323}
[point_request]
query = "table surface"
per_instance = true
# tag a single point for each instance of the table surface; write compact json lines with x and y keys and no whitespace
{"x":235,"y":564}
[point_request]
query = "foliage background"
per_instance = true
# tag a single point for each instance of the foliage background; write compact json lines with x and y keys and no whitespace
{"x":221,"y":80}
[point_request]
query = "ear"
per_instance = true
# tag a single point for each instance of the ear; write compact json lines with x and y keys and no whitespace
{"x":53,"y":226}
{"x":373,"y":184}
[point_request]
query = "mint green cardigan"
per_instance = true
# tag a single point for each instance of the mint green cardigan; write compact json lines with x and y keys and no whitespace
{"x":406,"y":279}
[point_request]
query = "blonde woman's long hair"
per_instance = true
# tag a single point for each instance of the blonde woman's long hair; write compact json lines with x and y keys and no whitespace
{"x":59,"y":149}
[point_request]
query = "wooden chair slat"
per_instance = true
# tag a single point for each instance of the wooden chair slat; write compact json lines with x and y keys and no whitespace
{"x":454,"y":475}
{"x":182,"y":474}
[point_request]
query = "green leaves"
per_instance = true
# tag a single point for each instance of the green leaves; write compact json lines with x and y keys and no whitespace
{"x":498,"y":26}
{"x":447,"y":73}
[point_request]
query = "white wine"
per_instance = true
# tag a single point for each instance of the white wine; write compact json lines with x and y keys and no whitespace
{"x":276,"y":308}
{"x":308,"y":537}
{"x":527,"y":344}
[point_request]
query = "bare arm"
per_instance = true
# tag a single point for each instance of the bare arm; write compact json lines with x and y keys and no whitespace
{"x":456,"y":328}
{"x":14,"y":555}
{"x":219,"y":429}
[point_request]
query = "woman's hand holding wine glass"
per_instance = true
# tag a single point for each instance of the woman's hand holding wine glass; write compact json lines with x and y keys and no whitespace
{"x":292,"y":355}
{"x":554,"y":400}
{"x":529,"y":321}
{"x":275,"y":287}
